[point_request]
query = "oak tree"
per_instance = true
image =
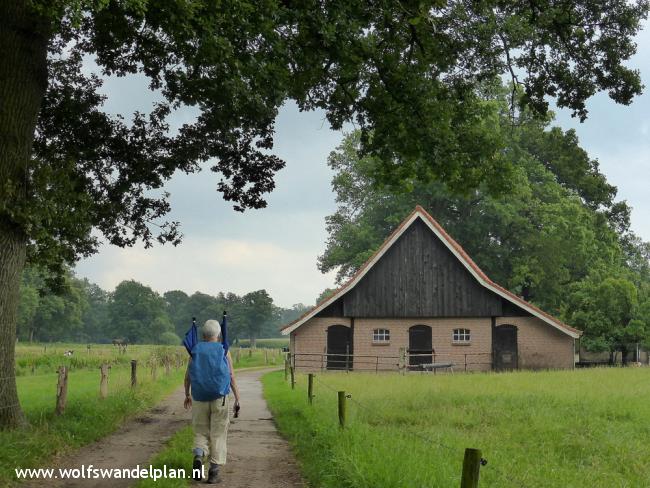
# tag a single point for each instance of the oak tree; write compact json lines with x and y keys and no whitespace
{"x":556,"y":224}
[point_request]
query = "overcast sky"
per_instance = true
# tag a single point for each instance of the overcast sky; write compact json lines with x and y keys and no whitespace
{"x":276,"y":248}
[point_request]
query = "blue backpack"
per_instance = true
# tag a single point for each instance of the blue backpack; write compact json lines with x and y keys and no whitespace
{"x":209,"y":372}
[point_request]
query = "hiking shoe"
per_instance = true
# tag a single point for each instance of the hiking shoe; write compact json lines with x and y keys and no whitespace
{"x":213,"y":474}
{"x":197,"y":468}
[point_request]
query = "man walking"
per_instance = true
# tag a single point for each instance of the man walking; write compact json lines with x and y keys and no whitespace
{"x":210,"y":377}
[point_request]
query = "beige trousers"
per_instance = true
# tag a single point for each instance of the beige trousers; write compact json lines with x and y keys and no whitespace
{"x":210,"y":422}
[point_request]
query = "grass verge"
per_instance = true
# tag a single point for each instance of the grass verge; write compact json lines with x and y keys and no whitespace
{"x":176,"y":455}
{"x":536,"y":429}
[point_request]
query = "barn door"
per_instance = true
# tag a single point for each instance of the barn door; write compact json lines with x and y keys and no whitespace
{"x":420,"y":345}
{"x":339,"y":347}
{"x":504,"y":344}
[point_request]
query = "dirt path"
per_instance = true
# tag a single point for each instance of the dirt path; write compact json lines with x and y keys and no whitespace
{"x":257,"y":455}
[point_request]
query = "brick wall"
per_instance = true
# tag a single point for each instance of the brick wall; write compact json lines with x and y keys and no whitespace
{"x":541,"y":346}
{"x":311,"y":338}
{"x":477,"y":353}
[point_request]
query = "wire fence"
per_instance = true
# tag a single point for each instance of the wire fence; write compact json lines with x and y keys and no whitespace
{"x":426,"y":439}
{"x":432,"y":362}
{"x":45,"y":387}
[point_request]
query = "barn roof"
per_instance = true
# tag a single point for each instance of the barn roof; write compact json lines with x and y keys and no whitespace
{"x":457,"y":251}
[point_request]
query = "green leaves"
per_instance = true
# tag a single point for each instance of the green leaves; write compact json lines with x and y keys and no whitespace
{"x":138,"y":314}
{"x":413,"y":76}
{"x":608,"y":311}
{"x":553,"y":228}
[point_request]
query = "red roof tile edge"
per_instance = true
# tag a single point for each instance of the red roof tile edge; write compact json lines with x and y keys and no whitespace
{"x":420,"y":211}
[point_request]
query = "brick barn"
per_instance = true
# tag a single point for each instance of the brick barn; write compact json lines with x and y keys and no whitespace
{"x":420,"y":302}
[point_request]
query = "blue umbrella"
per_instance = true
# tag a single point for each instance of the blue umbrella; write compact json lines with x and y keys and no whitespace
{"x":224,"y":332}
{"x":192,"y":335}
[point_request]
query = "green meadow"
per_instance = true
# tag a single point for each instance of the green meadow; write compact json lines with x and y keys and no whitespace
{"x":583,"y":428}
{"x":32,"y":359}
{"x":47,"y":357}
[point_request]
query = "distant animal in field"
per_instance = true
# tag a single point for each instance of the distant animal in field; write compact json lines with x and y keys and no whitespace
{"x":121,"y":344}
{"x":68,"y":353}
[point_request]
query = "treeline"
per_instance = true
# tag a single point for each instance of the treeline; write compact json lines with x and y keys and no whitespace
{"x":81,"y":311}
{"x":555,"y":234}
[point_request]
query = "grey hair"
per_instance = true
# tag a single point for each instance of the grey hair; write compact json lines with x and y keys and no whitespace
{"x":211,"y":329}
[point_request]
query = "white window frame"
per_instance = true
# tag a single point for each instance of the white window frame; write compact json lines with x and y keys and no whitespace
{"x":461,"y":336}
{"x":381,"y":336}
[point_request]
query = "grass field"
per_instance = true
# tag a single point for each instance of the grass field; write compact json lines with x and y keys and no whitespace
{"x":45,"y":358}
{"x":584,"y":428}
{"x":48,"y":435}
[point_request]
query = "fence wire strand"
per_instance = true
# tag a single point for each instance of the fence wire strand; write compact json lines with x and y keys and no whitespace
{"x":488,"y":466}
{"x":369,"y":411}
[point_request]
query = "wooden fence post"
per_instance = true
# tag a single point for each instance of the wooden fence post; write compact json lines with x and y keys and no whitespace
{"x":103,"y":382}
{"x":347,"y":358}
{"x":250,"y":352}
{"x":293,"y":378}
{"x":134,"y":373}
{"x":238,"y":355}
{"x":471,"y":467}
{"x":310,"y":388}
{"x":61,"y":389}
{"x":266,"y":356}
{"x":342,"y":409}
{"x":286,"y":369}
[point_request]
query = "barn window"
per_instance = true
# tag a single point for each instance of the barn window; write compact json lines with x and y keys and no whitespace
{"x":461,"y":336}
{"x":381,"y":336}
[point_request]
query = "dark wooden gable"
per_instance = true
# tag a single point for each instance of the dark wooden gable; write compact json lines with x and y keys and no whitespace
{"x":418,"y":276}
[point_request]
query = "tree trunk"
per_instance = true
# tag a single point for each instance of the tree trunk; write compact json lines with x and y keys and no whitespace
{"x":12,"y":259}
{"x":624,"y":352}
{"x":23,"y":81}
